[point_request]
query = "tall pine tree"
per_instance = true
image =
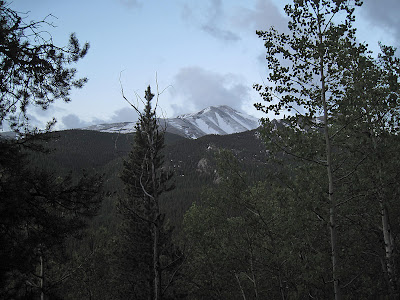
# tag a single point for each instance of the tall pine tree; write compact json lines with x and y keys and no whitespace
{"x":144,"y":236}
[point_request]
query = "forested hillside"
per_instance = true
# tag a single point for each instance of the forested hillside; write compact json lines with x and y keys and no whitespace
{"x":193,"y":161}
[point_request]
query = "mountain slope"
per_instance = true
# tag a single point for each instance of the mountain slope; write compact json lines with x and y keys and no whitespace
{"x":219,"y":120}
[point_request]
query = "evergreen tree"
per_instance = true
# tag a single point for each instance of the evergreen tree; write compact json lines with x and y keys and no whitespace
{"x":39,"y":211}
{"x":144,"y":235}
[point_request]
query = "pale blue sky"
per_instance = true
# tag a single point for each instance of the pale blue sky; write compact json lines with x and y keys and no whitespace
{"x":206,"y":51}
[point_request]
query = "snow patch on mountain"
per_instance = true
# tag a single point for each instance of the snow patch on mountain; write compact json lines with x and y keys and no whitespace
{"x":124,"y":127}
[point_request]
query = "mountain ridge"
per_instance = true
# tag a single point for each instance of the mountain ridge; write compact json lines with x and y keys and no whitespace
{"x":220,"y":120}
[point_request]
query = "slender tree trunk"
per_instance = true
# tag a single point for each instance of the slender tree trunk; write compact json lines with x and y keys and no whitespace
{"x":281,"y":287}
{"x":41,"y":278}
{"x":390,"y":266}
{"x":331,"y":195}
{"x":156,"y":261}
{"x":240,"y":286}
{"x":333,"y":228}
{"x":254,"y":279}
{"x":389,"y":249}
{"x":157,"y":222}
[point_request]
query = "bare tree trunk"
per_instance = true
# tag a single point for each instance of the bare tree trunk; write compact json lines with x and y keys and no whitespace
{"x":240,"y":286}
{"x":390,"y":266}
{"x":156,"y":261}
{"x":389,"y":248}
{"x":254,"y":279}
{"x":332,"y":200}
{"x":41,"y":278}
{"x":281,"y":287}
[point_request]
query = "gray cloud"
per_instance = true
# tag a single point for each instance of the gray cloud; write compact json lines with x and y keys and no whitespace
{"x":48,"y":113}
{"x":199,"y":88}
{"x":73,"y":121}
{"x":264,"y":15}
{"x":219,"y":33}
{"x":383,"y":13}
{"x":130,"y":4}
{"x":209,"y":19}
{"x":36,"y":122}
{"x":125,"y":114}
{"x":214,"y":20}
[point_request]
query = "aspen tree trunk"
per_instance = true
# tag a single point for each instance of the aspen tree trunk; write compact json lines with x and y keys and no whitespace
{"x":389,"y":248}
{"x":254,"y":279}
{"x":240,"y":286}
{"x":332,"y":202}
{"x":386,"y":229}
{"x":41,"y":278}
{"x":281,"y":287}
{"x":331,"y":195}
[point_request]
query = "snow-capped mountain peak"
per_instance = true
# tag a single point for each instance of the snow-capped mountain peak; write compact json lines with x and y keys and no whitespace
{"x":212,"y":120}
{"x":219,"y":120}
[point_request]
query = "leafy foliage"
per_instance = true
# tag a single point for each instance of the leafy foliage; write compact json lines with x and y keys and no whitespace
{"x":340,"y":102}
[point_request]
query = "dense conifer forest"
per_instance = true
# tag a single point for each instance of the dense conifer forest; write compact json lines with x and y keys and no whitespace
{"x":306,"y":207}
